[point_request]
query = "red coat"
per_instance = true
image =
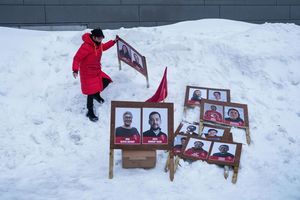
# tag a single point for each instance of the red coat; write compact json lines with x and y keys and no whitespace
{"x":87,"y":61}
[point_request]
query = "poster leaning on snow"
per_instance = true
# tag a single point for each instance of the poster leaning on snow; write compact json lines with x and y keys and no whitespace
{"x":225,"y":153}
{"x":187,"y":128}
{"x":224,"y":113}
{"x":216,"y":133}
{"x":141,"y":125}
{"x":194,"y":95}
{"x":132,"y":57}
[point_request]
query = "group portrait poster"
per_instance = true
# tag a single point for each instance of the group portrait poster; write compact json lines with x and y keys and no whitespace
{"x":132,"y":57}
{"x":141,"y":125}
{"x":225,"y":153}
{"x":195,"y":94}
{"x":225,"y":113}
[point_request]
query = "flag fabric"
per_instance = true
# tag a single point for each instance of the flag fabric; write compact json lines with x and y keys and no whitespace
{"x":162,"y":90}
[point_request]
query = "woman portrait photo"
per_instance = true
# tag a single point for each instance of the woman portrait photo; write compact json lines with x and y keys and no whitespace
{"x":212,"y":133}
{"x":124,"y":51}
{"x":195,"y":95}
{"x":235,"y":116}
{"x":137,"y":61}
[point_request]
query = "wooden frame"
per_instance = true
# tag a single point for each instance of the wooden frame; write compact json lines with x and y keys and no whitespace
{"x":216,"y":112}
{"x":146,"y":107}
{"x":206,"y":93}
{"x":215,"y":157}
{"x":133,"y":58}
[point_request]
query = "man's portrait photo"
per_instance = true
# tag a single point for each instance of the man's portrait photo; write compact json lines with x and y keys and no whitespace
{"x":188,"y":128}
{"x":212,"y":133}
{"x":234,"y":116}
{"x":217,"y":95}
{"x":155,"y":126}
{"x":197,"y":148}
{"x":124,"y":51}
{"x":179,"y":142}
{"x":196,"y":94}
{"x":128,"y":123}
{"x":223,"y":152}
{"x":213,"y":112}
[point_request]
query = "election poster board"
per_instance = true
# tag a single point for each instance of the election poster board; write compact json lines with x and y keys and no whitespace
{"x":194,"y":95}
{"x":225,"y":114}
{"x":141,"y":126}
{"x":131,"y":57}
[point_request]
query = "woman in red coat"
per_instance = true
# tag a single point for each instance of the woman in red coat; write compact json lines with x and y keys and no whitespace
{"x":87,"y":61}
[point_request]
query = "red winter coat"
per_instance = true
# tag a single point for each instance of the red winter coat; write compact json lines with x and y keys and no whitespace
{"x":87,"y":61}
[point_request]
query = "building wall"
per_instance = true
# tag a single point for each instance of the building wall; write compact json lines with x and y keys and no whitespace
{"x":132,"y":13}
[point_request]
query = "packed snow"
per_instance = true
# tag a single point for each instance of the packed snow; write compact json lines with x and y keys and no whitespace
{"x":50,"y":150}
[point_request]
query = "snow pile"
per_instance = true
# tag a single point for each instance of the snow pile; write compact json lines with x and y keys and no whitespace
{"x":50,"y":150}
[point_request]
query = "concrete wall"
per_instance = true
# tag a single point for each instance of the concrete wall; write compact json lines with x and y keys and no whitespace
{"x":132,"y":13}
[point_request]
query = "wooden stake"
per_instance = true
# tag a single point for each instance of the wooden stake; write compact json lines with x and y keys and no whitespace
{"x":200,"y":125}
{"x":177,"y":159}
{"x":226,"y":171}
{"x":248,"y":139}
{"x":171,"y":166}
{"x":167,"y":163}
{"x":111,"y":163}
{"x":120,"y":65}
{"x":235,"y":174}
{"x":147,"y":79}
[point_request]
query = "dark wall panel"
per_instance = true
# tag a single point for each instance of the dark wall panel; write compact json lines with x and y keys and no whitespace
{"x":255,"y":12}
{"x":177,"y":13}
{"x":91,"y":14}
{"x":240,"y":2}
{"x":132,"y":13}
{"x":22,"y":14}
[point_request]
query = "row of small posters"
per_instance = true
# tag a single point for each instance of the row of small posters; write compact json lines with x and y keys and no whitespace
{"x":214,"y":142}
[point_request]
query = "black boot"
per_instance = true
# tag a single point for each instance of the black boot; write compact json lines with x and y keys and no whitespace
{"x":90,"y":114}
{"x":98,"y":98}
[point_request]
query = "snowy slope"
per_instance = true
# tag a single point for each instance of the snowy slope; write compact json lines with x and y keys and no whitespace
{"x":50,"y":150}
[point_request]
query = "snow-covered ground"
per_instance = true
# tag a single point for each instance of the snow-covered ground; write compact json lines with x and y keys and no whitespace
{"x":50,"y":150}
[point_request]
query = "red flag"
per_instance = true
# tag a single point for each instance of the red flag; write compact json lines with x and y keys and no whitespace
{"x":162,"y":90}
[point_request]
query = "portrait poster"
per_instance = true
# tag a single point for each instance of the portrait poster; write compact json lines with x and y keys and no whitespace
{"x":216,"y":133}
{"x":187,"y":128}
{"x":179,"y":143}
{"x":196,"y":149}
{"x":224,"y":153}
{"x":224,"y":113}
{"x":155,"y":126}
{"x":128,"y":126}
{"x":131,"y":56}
{"x":141,"y":125}
{"x":195,"y":94}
